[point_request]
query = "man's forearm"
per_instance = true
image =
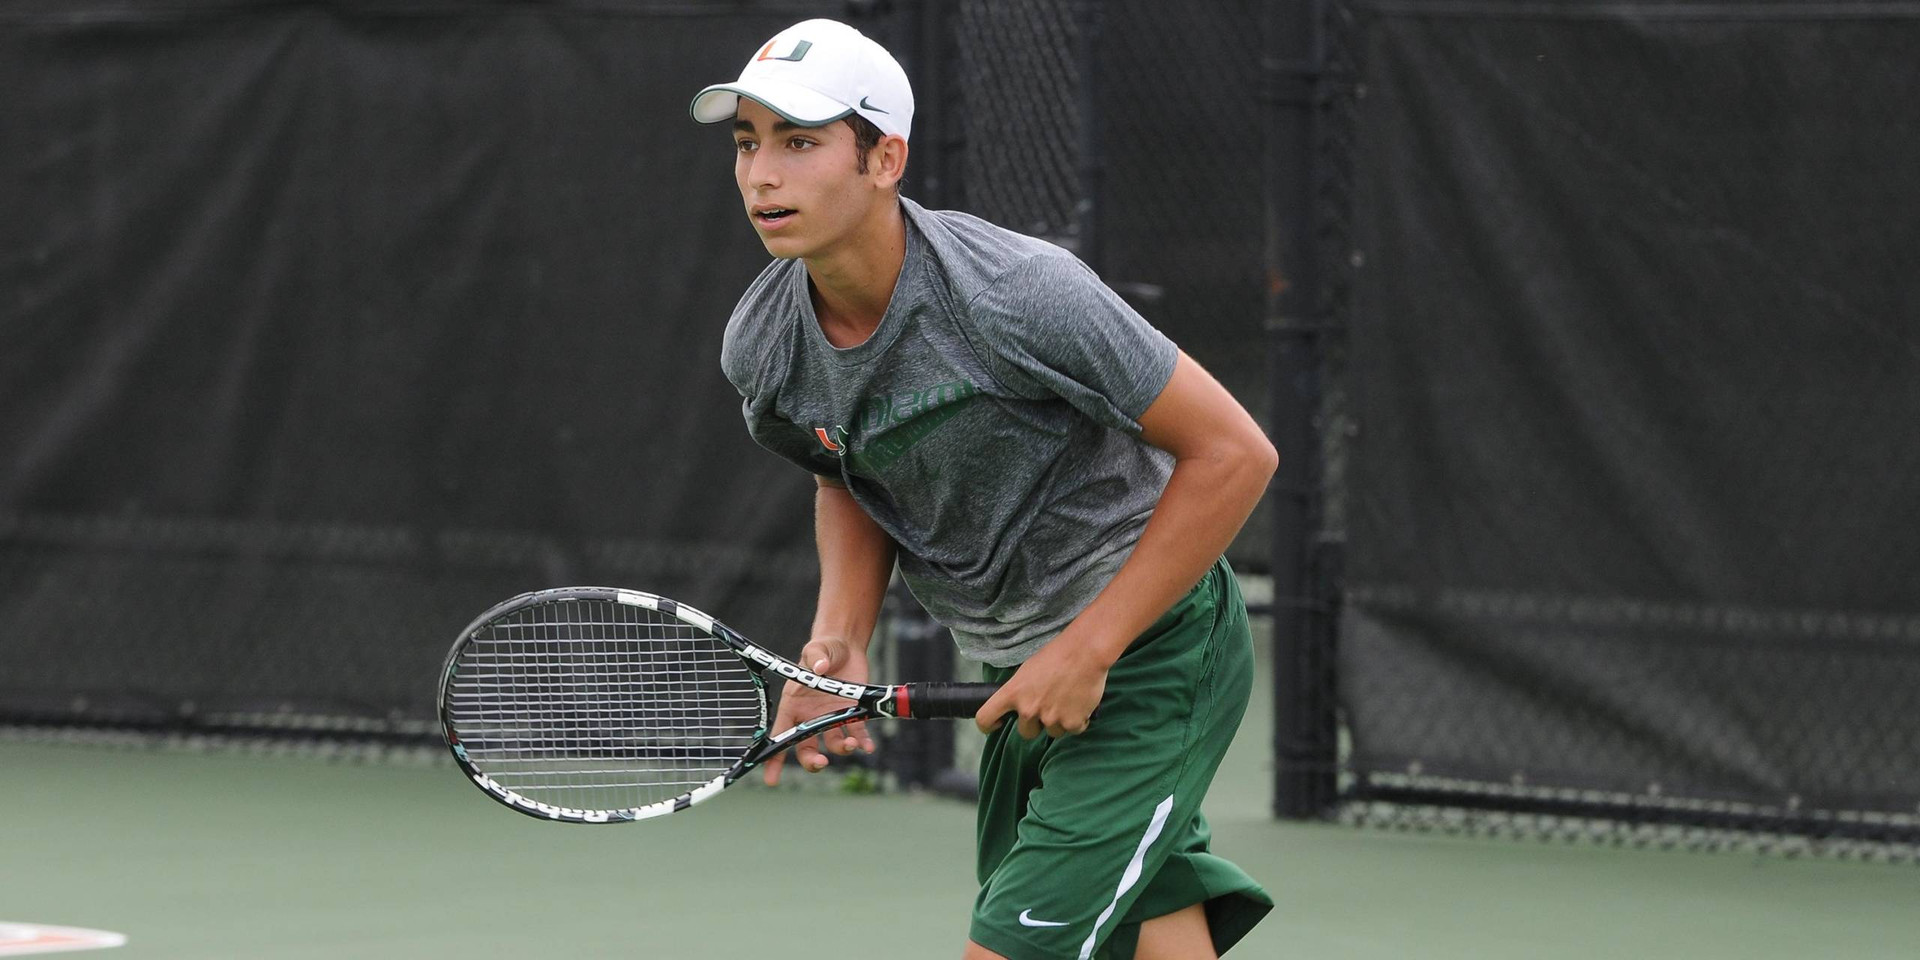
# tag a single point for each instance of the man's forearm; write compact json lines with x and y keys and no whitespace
{"x":1222,"y":462}
{"x":856,"y":562}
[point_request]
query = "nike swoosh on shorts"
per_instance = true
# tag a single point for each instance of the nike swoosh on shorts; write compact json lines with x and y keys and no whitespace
{"x":1027,"y":920}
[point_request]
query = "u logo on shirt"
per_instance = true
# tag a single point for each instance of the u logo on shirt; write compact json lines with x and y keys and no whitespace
{"x":828,"y":440}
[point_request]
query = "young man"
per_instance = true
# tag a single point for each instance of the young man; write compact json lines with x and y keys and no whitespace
{"x":1055,"y":479}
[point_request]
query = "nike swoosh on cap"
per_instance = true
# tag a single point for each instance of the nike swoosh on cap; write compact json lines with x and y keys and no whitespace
{"x":864,"y":105}
{"x":1027,"y":920}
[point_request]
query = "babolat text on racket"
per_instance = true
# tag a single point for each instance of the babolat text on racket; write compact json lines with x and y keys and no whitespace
{"x":598,"y":705}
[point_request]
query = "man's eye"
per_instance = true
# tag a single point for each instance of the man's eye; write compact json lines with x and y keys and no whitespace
{"x":743,"y":145}
{"x":800,"y":143}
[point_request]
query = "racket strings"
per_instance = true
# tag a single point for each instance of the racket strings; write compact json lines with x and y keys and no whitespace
{"x":600,"y":705}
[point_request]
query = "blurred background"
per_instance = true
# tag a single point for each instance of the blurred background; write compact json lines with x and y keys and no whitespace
{"x":1586,"y":330}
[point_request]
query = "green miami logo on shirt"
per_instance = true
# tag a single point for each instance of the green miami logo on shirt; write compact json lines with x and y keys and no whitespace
{"x":890,"y":424}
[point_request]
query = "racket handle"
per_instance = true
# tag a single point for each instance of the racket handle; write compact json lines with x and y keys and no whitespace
{"x":929,"y":701}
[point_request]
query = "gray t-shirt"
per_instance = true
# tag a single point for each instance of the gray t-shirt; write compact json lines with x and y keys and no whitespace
{"x":989,"y":425}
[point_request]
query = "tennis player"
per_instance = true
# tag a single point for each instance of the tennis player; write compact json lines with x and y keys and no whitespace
{"x":1055,"y":479}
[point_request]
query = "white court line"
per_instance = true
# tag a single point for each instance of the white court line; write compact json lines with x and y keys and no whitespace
{"x":21,"y":939}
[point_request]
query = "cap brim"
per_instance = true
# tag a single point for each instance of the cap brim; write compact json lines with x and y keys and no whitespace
{"x":792,"y":102}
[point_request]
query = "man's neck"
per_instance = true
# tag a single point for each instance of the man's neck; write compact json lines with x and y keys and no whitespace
{"x":853,"y":285}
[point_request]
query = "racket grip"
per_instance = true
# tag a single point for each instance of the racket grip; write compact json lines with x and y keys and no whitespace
{"x":930,"y":701}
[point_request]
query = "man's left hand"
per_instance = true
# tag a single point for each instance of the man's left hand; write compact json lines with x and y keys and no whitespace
{"x":1055,"y":691}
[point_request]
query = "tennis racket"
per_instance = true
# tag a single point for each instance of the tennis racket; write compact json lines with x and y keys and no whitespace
{"x":596,"y":705}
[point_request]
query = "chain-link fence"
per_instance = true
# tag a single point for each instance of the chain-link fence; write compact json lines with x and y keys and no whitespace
{"x":1624,"y":683}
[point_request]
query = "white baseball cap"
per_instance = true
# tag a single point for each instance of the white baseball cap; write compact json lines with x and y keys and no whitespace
{"x":814,"y":73}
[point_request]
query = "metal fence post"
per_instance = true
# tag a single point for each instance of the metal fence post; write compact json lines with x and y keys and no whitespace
{"x":1304,"y":721}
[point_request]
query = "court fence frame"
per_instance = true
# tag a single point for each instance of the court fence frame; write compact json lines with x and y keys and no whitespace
{"x":1313,"y":86}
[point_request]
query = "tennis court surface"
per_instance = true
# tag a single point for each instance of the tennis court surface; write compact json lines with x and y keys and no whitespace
{"x":227,"y":854}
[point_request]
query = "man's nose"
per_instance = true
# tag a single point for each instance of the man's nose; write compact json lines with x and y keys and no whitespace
{"x":762,"y":170}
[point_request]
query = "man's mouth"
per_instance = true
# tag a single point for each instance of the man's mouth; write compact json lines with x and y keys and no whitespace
{"x":773,"y":217}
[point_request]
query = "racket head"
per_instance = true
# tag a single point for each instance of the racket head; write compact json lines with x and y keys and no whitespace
{"x":599,"y":705}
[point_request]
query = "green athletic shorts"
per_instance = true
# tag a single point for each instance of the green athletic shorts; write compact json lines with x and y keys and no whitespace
{"x":1085,"y":837}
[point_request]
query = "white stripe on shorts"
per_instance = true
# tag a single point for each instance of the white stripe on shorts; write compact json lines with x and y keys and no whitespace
{"x":1132,"y":874}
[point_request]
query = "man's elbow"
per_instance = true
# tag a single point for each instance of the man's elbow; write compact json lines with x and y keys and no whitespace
{"x":1246,"y":461}
{"x":1262,"y":458}
{"x":1261,"y":462}
{"x":1254,"y":457}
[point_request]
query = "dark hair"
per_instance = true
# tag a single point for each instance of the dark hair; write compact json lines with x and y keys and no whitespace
{"x":866,"y":136}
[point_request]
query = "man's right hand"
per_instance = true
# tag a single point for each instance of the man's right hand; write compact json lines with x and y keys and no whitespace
{"x":828,"y":657}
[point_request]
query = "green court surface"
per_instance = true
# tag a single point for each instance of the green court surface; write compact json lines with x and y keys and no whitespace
{"x":221,"y":854}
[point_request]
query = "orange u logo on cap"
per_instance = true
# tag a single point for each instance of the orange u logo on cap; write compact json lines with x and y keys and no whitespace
{"x":799,"y":50}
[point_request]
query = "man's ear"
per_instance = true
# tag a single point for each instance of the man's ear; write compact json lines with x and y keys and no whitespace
{"x":890,"y":159}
